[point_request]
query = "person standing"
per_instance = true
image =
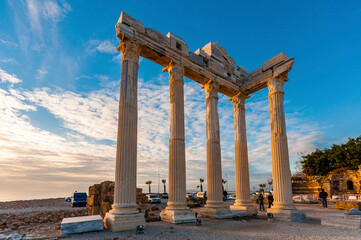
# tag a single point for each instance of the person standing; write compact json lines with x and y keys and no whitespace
{"x":260,"y":201}
{"x":270,"y":200}
{"x":323,"y":195}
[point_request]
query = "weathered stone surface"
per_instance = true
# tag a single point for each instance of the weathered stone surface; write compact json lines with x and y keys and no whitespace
{"x":101,"y":198}
{"x":340,"y":222}
{"x":123,"y":30}
{"x":124,"y":222}
{"x":197,"y":58}
{"x":81,"y":224}
{"x":292,"y":215}
{"x":343,"y":205}
{"x":177,"y":43}
{"x":218,"y":212}
{"x":158,"y":36}
{"x":132,"y":22}
{"x":274,"y":61}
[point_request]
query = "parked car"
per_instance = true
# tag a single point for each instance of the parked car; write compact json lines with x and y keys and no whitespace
{"x":190,"y":195}
{"x":78,"y":199}
{"x":68,"y":199}
{"x":164,"y":195}
{"x":153,"y":198}
{"x":231,"y":197}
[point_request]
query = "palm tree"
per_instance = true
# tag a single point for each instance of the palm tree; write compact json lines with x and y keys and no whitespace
{"x":201,"y":180}
{"x":163,"y":181}
{"x":270,"y":183}
{"x":262,"y":186}
{"x":149,"y":182}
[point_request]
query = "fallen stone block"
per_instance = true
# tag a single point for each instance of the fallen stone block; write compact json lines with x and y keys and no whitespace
{"x":81,"y":224}
{"x":340,"y":222}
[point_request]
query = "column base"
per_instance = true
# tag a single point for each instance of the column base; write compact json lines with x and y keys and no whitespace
{"x":177,"y":216}
{"x":123,"y":222}
{"x":248,"y":209}
{"x":291,"y":215}
{"x":219,"y":212}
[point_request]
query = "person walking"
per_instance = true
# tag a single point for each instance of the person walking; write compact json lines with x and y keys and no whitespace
{"x":323,"y":195}
{"x":270,"y":200}
{"x":260,"y":202}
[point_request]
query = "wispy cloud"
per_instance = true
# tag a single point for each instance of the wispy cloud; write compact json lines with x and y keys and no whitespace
{"x":41,"y":73}
{"x":84,"y":150}
{"x":6,"y":77}
{"x":103,"y":46}
{"x":7,"y":43}
{"x":9,"y":60}
{"x":106,"y":47}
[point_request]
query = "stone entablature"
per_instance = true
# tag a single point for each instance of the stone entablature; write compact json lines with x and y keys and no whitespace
{"x":210,"y":62}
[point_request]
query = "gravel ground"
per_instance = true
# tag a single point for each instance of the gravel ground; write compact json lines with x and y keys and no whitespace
{"x":211,"y":229}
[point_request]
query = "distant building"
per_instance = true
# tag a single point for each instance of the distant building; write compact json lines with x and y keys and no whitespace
{"x":338,"y":182}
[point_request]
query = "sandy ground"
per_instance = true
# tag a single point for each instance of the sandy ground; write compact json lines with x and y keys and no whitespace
{"x":248,"y":228}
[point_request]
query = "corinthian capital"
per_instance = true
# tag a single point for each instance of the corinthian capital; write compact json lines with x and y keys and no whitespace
{"x":176,"y":71}
{"x":275,"y":85}
{"x":238,"y":101}
{"x":130,"y":51}
{"x":211,"y":88}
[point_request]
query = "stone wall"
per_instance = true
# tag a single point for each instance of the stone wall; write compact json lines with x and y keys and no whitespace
{"x":101,"y":197}
{"x":348,"y":205}
{"x":338,"y":182}
{"x":308,"y":186}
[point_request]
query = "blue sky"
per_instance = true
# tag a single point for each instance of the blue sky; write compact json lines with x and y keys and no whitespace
{"x":60,"y":74}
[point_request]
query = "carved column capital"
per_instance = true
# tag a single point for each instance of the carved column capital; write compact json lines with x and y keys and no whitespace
{"x":175,"y":70}
{"x":275,"y":85}
{"x":238,"y":101}
{"x":130,"y":51}
{"x":211,"y":88}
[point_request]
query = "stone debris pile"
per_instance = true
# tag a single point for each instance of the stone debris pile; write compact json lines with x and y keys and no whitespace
{"x":101,"y":198}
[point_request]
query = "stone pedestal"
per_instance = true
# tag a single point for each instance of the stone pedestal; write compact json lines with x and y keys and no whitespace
{"x":292,"y":215}
{"x":221,"y":212}
{"x":124,"y":214}
{"x":117,"y":223}
{"x":243,"y":202}
{"x":176,"y":210}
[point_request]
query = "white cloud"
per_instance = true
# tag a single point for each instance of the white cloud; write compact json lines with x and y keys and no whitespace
{"x":78,"y":153}
{"x":9,"y":60}
{"x":41,"y":73}
{"x":6,"y":77}
{"x":7,"y":43}
{"x":53,"y":11}
{"x":106,"y":47}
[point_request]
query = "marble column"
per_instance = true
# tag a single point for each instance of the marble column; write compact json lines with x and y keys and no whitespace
{"x":281,"y":172}
{"x":214,"y":207}
{"x":124,"y":214}
{"x":176,"y":210}
{"x":243,"y":201}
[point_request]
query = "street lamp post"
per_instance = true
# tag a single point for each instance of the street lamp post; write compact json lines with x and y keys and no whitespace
{"x":158,"y":181}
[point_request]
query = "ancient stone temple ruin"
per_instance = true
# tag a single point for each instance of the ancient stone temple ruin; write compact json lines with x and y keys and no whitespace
{"x":217,"y":72}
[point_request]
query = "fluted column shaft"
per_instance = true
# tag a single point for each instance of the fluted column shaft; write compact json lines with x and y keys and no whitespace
{"x":241,"y":152}
{"x":280,"y":159}
{"x":177,"y":160}
{"x":126,"y":157}
{"x":214,"y":164}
